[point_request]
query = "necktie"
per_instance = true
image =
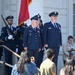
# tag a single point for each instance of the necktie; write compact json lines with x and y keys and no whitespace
{"x":55,"y":25}
{"x":11,"y":28}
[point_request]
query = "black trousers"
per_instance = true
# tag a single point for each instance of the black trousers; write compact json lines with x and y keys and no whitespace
{"x":20,"y":46}
{"x":56,"y":51}
{"x":55,"y":60}
{"x":40,"y":58}
{"x":34,"y":53}
{"x":8,"y":59}
{"x":8,"y":56}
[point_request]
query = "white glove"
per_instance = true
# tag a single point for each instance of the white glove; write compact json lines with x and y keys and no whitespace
{"x":10,"y":37}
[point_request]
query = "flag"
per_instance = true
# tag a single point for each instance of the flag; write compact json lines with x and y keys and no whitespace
{"x":24,"y":13}
{"x":29,"y":2}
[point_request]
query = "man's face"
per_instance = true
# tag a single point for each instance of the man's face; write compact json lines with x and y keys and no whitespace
{"x":35,"y":23}
{"x":54,"y":18}
{"x":10,"y":22}
{"x":70,"y":41}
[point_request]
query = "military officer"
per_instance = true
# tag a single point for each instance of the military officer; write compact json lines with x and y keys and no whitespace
{"x":9,"y":41}
{"x":40,"y":26}
{"x":20,"y":31}
{"x":40,"y":53}
{"x":31,"y":38}
{"x":52,"y":35}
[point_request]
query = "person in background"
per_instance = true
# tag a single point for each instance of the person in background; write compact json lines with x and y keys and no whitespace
{"x":52,"y":35}
{"x":20,"y":32}
{"x":25,"y":65}
{"x":68,"y":46}
{"x":40,"y":54}
{"x":68,"y":68}
{"x":9,"y":40}
{"x":32,"y":39}
{"x":48,"y":67}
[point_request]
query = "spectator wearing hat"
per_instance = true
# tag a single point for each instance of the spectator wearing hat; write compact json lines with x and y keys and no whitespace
{"x":32,"y":39}
{"x":9,"y":41}
{"x":52,"y":35}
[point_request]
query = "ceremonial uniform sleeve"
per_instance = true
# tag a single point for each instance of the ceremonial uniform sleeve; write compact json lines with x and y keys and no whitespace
{"x":25,"y":37}
{"x":45,"y":33}
{"x":3,"y":34}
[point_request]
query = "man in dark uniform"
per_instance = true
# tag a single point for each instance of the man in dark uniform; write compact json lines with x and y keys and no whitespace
{"x":9,"y":41}
{"x":40,"y":54}
{"x":52,"y":35}
{"x":40,"y":26}
{"x":31,"y":39}
{"x":20,"y":31}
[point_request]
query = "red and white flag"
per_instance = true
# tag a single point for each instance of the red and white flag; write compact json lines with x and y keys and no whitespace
{"x":24,"y":13}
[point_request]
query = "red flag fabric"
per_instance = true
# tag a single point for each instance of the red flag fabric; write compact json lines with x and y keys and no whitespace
{"x":29,"y":1}
{"x":24,"y":13}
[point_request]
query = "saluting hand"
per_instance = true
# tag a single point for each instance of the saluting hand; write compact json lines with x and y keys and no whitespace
{"x":25,"y":48}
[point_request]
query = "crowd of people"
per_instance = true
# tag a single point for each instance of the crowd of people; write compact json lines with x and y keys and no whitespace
{"x":33,"y":43}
